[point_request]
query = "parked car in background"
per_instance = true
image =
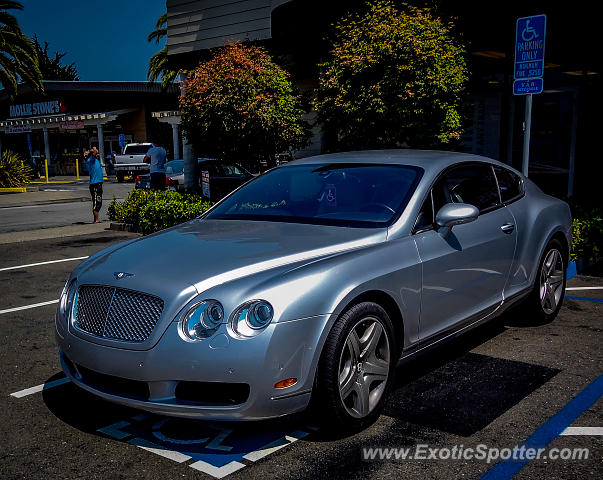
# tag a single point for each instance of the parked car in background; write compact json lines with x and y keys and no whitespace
{"x":130,"y":161}
{"x":174,"y":177}
{"x":224,"y":177}
{"x":313,"y":281}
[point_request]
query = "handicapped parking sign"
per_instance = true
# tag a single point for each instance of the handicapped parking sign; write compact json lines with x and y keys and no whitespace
{"x":529,"y":47}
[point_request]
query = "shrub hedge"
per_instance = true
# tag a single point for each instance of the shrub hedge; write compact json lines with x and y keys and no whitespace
{"x":149,"y":211}
{"x":587,"y":237}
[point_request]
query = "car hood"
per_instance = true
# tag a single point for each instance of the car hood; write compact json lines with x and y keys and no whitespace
{"x":207,"y":253}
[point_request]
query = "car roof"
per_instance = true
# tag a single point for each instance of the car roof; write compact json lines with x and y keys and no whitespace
{"x":426,"y":159}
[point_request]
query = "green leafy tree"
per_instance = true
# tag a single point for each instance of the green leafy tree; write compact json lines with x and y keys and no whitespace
{"x":158,"y":63}
{"x":393,"y":78}
{"x":51,"y":67}
{"x":241,"y":106}
{"x":18,"y":59}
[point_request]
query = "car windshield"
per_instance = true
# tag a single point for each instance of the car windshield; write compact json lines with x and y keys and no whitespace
{"x":175,"y":167}
{"x":136,"y":149}
{"x":354,"y":195}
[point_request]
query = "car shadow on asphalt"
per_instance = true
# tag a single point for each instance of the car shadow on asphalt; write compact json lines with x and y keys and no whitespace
{"x":454,"y":390}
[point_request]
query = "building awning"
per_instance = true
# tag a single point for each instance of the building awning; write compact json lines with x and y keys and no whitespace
{"x":54,"y":121}
{"x":167,"y":116}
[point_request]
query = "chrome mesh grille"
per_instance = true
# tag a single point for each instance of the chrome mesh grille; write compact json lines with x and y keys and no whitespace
{"x":117,"y":313}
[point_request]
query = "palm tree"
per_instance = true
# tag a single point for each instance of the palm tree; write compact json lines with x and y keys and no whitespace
{"x":158,"y":63}
{"x":18,"y":59}
{"x":51,"y":67}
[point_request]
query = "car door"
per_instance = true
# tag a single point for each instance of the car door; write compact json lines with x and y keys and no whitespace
{"x":464,"y":271}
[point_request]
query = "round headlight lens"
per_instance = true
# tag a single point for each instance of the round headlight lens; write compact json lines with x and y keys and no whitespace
{"x":202,"y":320}
{"x":260,"y":315}
{"x":251,"y":318}
{"x":212,"y":315}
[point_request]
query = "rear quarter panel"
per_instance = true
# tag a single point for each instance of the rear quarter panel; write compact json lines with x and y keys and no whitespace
{"x":538,"y":217}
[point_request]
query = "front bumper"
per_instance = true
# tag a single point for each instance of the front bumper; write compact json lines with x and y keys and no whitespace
{"x":283,"y":350}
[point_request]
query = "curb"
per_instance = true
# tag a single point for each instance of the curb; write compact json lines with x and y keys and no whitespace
{"x":123,"y":227}
{"x":13,"y":190}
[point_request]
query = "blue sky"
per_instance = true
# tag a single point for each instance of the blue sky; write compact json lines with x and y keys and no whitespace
{"x":107,"y":39}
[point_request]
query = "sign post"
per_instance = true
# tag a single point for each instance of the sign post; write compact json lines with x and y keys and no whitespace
{"x":528,"y":70}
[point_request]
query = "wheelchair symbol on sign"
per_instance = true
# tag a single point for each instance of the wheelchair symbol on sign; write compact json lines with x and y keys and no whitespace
{"x":528,"y":33}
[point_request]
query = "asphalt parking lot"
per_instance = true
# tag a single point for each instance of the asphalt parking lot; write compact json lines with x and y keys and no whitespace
{"x":508,"y":382}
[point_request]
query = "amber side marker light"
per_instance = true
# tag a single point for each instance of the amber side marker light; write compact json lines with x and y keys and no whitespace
{"x":288,"y":382}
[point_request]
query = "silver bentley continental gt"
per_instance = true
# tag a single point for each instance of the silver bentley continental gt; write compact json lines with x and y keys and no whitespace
{"x":313,"y":282}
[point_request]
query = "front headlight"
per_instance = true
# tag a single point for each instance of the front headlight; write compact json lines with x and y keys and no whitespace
{"x":202,"y":320}
{"x":249,"y":319}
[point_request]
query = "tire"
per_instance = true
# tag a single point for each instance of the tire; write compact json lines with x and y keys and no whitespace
{"x":546,"y":298}
{"x":120,"y":177}
{"x":356,"y":368}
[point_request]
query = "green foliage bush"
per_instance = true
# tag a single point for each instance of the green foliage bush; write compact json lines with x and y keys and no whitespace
{"x":587,"y":237}
{"x":149,"y":211}
{"x":393,"y":77}
{"x":13,"y":171}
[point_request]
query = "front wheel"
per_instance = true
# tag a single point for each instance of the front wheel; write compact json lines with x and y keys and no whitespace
{"x":549,"y":288}
{"x":356,"y":367}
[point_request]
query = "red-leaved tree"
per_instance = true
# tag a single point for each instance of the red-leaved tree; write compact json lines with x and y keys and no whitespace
{"x":241,"y":106}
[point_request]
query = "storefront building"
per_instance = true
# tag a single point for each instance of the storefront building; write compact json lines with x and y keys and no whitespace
{"x":564,"y":117}
{"x":72,"y":116}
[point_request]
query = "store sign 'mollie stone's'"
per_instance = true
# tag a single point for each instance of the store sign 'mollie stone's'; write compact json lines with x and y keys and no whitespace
{"x":39,"y":108}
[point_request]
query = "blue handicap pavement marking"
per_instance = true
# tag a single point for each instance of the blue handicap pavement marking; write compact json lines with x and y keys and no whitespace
{"x":550,"y":430}
{"x":215,"y":449}
{"x":588,"y":299}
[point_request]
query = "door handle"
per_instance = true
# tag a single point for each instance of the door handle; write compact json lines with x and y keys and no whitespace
{"x":508,"y":228}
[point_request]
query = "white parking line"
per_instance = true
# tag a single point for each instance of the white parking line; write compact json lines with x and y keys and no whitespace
{"x":26,"y":307}
{"x":151,"y":447}
{"x":274,"y":446}
{"x":584,"y":288}
{"x":42,"y":263}
{"x":39,"y":388}
{"x":583,"y":431}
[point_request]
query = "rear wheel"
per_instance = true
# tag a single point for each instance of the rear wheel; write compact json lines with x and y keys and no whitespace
{"x":120,"y":177}
{"x":356,"y":367}
{"x":547,"y":295}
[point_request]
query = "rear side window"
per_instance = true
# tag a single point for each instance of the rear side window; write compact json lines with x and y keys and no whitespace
{"x":474,"y":184}
{"x":510,"y":184}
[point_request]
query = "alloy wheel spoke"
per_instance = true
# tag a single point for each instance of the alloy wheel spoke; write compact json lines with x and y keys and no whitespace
{"x":550,"y":296}
{"x":353,"y":345}
{"x":346,"y":386}
{"x":361,"y":402}
{"x":556,"y":278}
{"x":370,"y":340}
{"x":376,"y":367}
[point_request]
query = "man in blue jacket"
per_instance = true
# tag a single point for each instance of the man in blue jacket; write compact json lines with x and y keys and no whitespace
{"x":96,"y":180}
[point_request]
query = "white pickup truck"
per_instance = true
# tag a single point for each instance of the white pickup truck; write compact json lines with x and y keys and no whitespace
{"x":130,"y":161}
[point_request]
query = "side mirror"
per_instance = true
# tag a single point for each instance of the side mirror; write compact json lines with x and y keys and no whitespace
{"x":453,"y":214}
